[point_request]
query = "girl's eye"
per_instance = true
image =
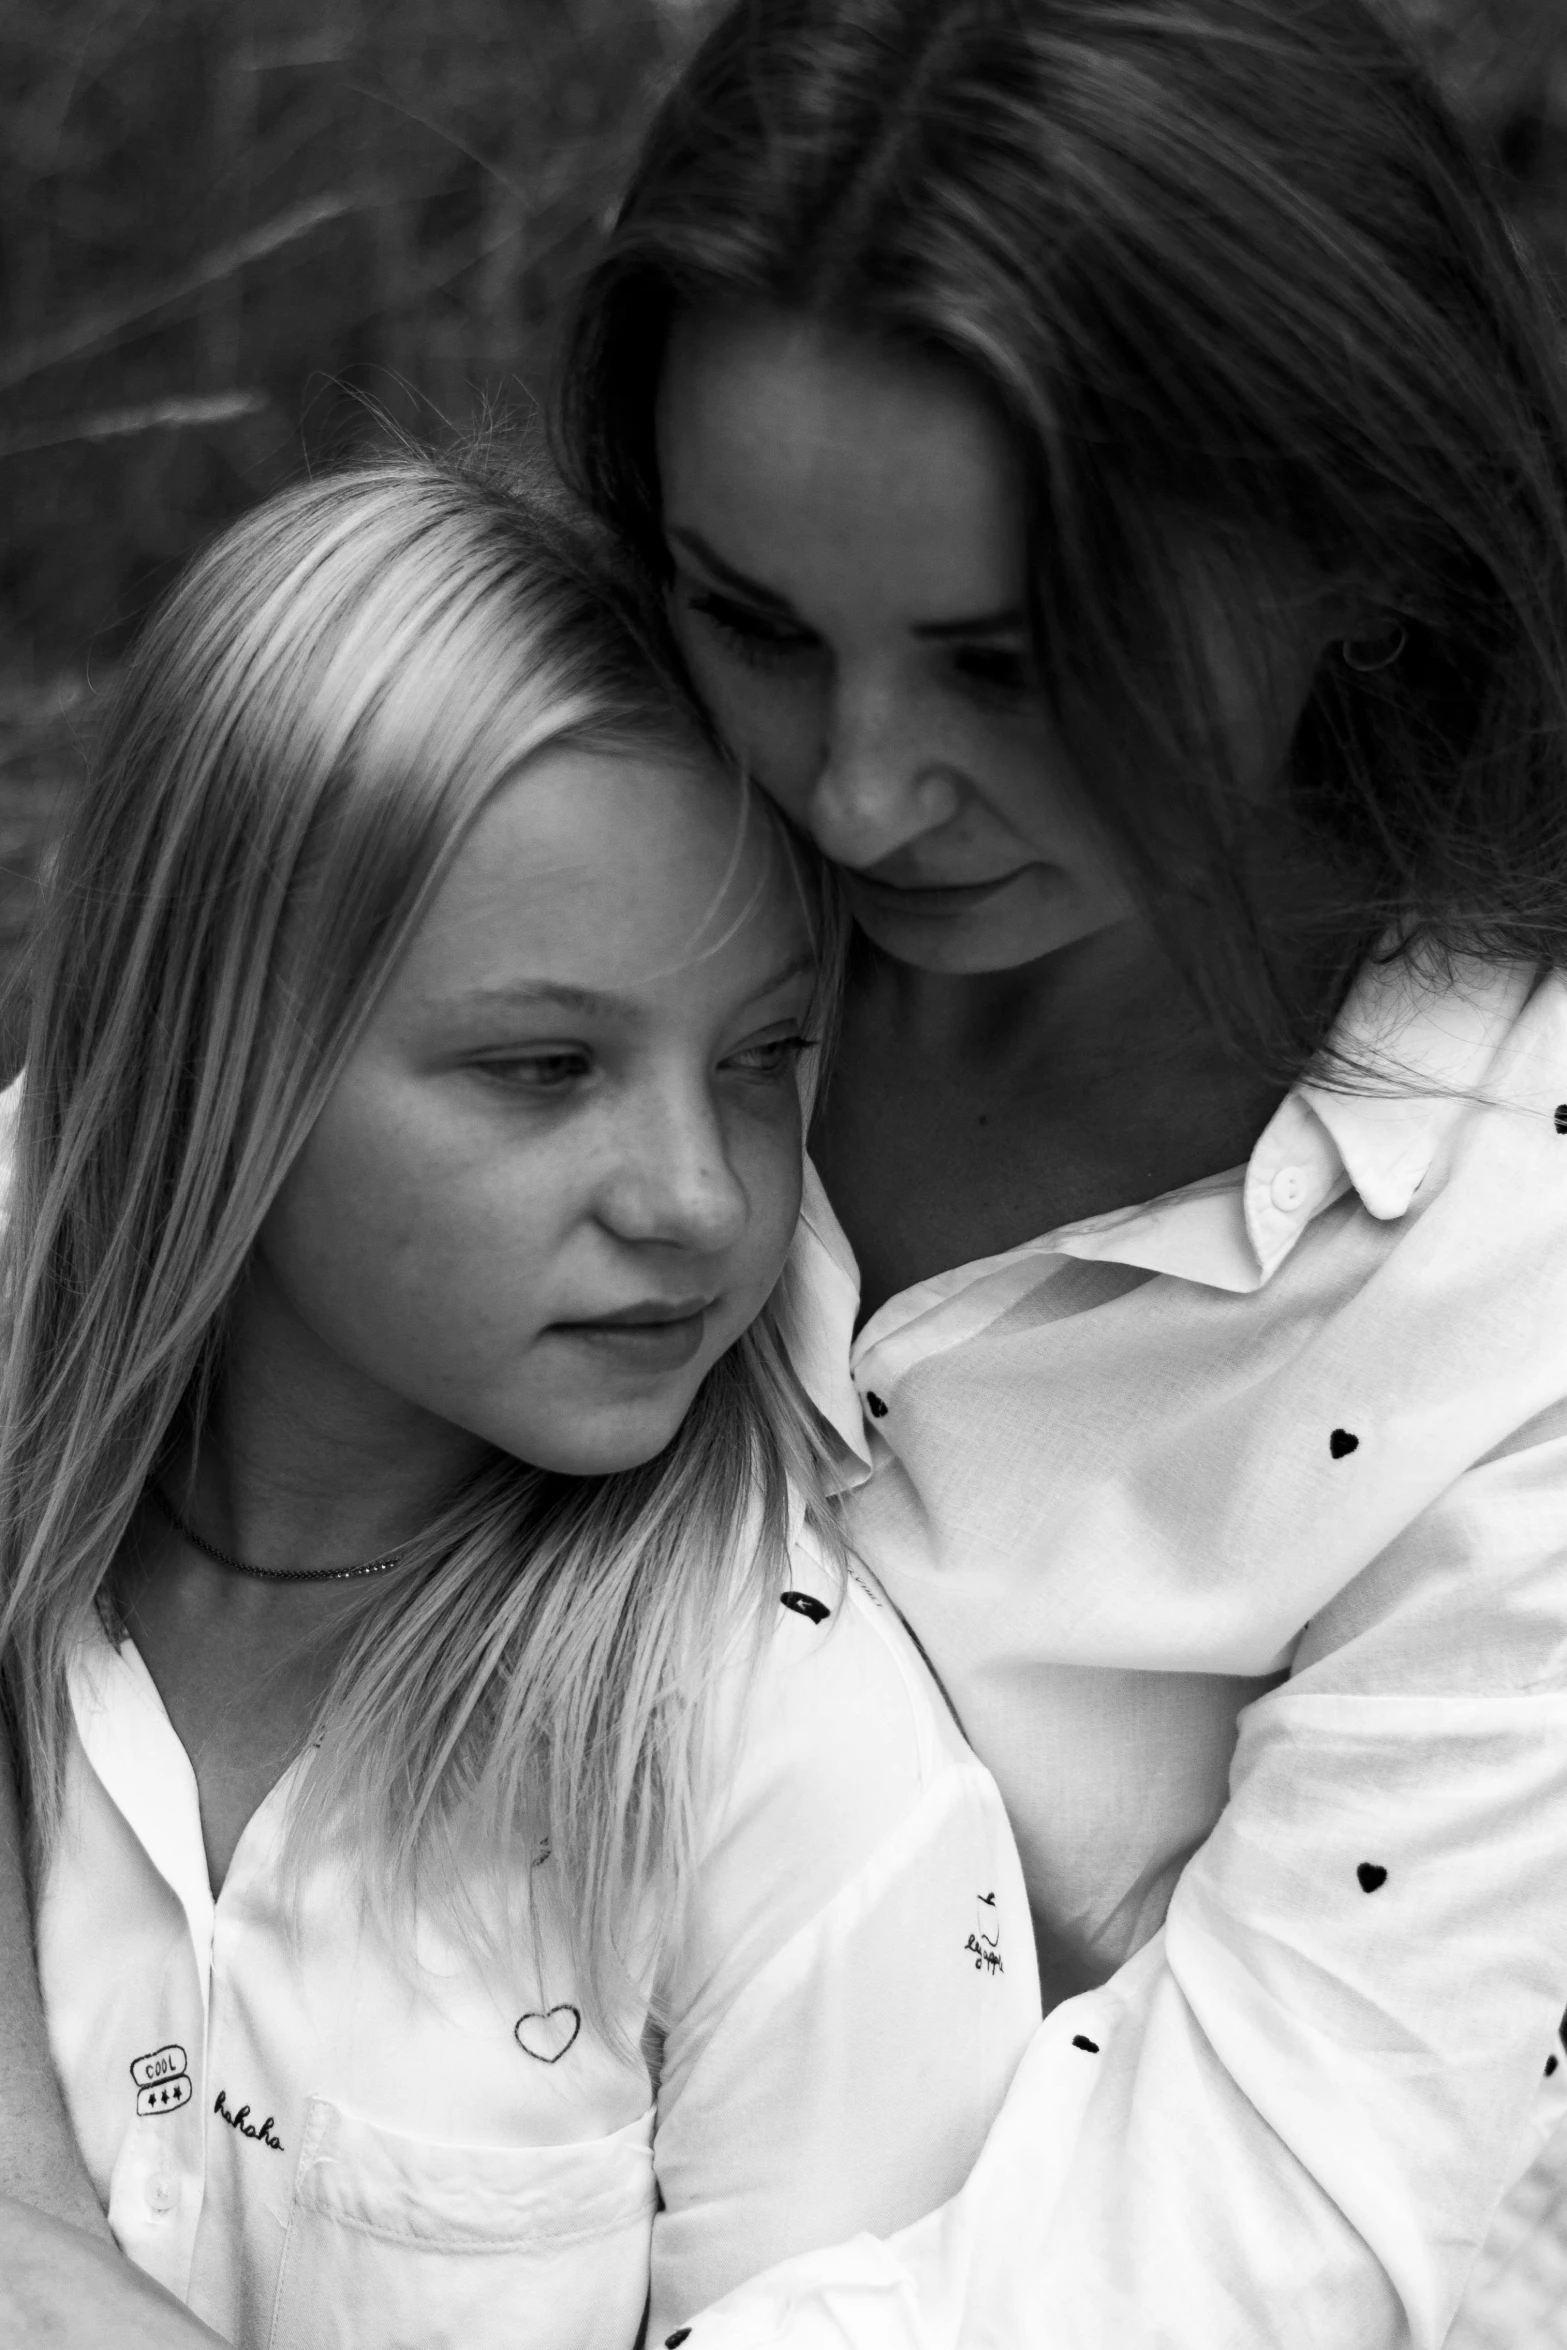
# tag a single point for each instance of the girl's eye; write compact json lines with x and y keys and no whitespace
{"x":771,"y":1059}
{"x":755,"y":636}
{"x":999,"y":669}
{"x":543,"y":1072}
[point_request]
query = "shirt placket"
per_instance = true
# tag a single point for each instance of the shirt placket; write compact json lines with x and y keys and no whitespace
{"x":159,"y":2178}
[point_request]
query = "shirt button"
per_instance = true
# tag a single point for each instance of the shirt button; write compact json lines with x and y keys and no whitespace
{"x":1287,"y":1189}
{"x":162,"y":2192}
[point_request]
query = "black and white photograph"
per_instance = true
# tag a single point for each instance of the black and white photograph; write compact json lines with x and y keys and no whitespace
{"x":783,"y":1174}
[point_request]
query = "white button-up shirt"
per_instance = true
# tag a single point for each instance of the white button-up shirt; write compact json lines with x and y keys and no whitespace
{"x":321,"y":2143}
{"x":1236,"y":1527}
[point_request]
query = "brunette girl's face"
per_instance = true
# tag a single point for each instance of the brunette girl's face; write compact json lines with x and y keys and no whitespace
{"x":561,"y":1169}
{"x":850,"y":581}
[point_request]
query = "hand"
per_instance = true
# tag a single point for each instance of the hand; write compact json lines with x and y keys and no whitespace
{"x":61,"y":2289}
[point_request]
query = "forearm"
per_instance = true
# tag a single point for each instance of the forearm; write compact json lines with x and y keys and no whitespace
{"x":39,"y":2162}
{"x":1289,"y":2117}
{"x":61,"y":2289}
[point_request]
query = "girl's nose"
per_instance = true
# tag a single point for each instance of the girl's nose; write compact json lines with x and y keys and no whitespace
{"x":879,"y":787}
{"x":674,"y":1184}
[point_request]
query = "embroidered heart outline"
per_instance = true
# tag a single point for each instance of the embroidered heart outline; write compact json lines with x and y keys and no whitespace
{"x":548,"y":2039}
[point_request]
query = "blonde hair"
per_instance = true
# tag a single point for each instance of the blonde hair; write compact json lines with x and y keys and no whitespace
{"x":294,"y":750}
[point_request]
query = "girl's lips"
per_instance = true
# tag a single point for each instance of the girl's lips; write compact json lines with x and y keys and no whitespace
{"x":647,"y":1309}
{"x":945,"y":898}
{"x":649,"y":1346}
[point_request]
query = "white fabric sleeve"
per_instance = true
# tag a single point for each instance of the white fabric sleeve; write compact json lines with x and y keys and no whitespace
{"x":858,"y":1983}
{"x":1290,"y":2117}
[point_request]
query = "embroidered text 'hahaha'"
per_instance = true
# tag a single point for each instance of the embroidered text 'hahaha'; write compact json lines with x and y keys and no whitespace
{"x":242,"y":2122}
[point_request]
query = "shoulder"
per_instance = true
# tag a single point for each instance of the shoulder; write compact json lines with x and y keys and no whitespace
{"x":841,"y":1690}
{"x":1490,"y":1209}
{"x":1529,"y":1072}
{"x":1457,"y":1147}
{"x":1517,"y":1112}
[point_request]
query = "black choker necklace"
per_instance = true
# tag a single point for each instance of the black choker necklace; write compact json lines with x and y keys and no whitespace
{"x":189,"y":1534}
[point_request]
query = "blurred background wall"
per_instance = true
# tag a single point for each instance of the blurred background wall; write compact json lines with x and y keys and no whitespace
{"x":226,"y":226}
{"x":223,"y":223}
{"x":229,"y":231}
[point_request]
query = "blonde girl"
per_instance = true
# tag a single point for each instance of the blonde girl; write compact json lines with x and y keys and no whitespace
{"x":497,"y":1870}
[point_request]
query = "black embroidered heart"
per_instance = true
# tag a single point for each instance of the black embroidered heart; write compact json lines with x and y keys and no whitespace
{"x":1341,"y":1442}
{"x":878,"y":1408}
{"x":674,"y":2340}
{"x":548,"y":2036}
{"x":1550,"y":2066}
{"x":1371,"y":1874}
{"x":800,"y":1603}
{"x":1079,"y":2041}
{"x":1561,"y":1117}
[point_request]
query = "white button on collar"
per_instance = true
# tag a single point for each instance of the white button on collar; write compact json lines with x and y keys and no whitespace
{"x":1288,"y":1189}
{"x":162,"y":2192}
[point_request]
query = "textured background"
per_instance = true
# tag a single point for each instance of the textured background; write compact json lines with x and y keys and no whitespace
{"x":232,"y":231}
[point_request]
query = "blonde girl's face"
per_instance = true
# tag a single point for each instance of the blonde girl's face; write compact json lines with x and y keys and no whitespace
{"x":559,"y":1175}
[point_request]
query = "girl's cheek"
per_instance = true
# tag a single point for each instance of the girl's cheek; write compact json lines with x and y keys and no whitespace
{"x":772,"y":1171}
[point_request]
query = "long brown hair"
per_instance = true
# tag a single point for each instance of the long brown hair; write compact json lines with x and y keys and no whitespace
{"x":1230,"y":272}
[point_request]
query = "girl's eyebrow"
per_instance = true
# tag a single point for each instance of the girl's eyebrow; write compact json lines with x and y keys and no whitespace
{"x":1011,"y":622}
{"x":518,"y":994}
{"x":800,"y":966}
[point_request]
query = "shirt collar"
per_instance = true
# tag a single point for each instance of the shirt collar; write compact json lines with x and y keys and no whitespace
{"x":1414,"y":1047}
{"x":1408,"y":1053}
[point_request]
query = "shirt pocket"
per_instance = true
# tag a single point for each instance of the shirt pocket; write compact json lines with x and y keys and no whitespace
{"x":398,"y":2243}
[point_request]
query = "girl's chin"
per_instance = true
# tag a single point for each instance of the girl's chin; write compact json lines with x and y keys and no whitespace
{"x":600,"y":1441}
